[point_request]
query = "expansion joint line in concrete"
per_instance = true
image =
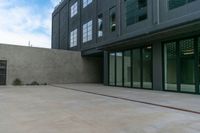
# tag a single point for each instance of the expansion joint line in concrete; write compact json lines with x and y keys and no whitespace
{"x":131,"y":100}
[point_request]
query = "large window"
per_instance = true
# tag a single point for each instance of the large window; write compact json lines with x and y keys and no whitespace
{"x":136,"y":11}
{"x":129,"y":69}
{"x":112,"y":19}
{"x":177,"y":3}
{"x":86,"y":3}
{"x":74,"y":9}
{"x":87,"y":32}
{"x":73,"y":38}
{"x":100,"y":25}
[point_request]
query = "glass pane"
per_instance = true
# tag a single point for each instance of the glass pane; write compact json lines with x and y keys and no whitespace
{"x":112,"y":69}
{"x":136,"y":11}
{"x":187,"y":65}
{"x":112,"y":19}
{"x":100,"y":25}
{"x":119,"y":68}
{"x":170,"y":66}
{"x":176,"y":3}
{"x":136,"y":68}
{"x":127,"y":68}
{"x":147,"y":67}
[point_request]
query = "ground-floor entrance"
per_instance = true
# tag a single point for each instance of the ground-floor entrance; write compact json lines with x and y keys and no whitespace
{"x":182,"y":65}
{"x":3,"y":65}
{"x":164,"y":65}
{"x":131,"y":68}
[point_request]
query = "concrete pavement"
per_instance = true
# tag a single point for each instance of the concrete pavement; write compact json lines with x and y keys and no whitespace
{"x":177,"y":100}
{"x":47,"y":109}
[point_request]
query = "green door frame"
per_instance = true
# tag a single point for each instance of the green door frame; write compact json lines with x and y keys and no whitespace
{"x":196,"y":66}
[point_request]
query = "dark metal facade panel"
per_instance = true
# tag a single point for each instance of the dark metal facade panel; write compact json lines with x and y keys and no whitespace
{"x":159,"y":18}
{"x":64,"y":28}
{"x":56,"y":31}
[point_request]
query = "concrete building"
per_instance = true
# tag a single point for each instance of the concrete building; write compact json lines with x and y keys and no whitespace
{"x":147,"y":44}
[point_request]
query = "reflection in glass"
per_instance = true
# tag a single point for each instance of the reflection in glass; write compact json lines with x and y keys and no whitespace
{"x":112,"y":69}
{"x":187,"y":65}
{"x":170,"y":66}
{"x":172,"y":4}
{"x":147,"y":67}
{"x":127,"y":68}
{"x":136,"y":11}
{"x":119,"y":64}
{"x":100,"y":25}
{"x":136,"y":68}
{"x":112,"y":19}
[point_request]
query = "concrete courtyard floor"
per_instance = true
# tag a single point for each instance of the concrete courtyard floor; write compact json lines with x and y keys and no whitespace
{"x":64,"y":109}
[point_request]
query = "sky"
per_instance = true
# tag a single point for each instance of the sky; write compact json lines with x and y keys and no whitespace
{"x":24,"y":21}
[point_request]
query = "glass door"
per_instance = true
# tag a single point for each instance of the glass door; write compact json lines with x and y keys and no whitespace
{"x":3,"y":67}
{"x":119,"y":73}
{"x":187,"y":66}
{"x":112,"y":69}
{"x":181,"y":65}
{"x":142,"y":67}
{"x":171,"y":66}
{"x":136,"y":60}
{"x":127,"y":68}
{"x":147,"y":67}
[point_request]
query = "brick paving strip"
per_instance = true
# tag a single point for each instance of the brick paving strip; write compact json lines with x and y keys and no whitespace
{"x":131,"y":100}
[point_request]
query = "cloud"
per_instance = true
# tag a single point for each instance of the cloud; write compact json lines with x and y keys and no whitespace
{"x":21,"y":23}
{"x":55,"y":2}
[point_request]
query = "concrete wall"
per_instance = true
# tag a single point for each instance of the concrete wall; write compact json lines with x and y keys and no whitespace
{"x":49,"y":66}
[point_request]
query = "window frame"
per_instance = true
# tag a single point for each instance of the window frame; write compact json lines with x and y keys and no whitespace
{"x":87,"y":31}
{"x":136,"y":12}
{"x":86,"y":3}
{"x":113,"y":19}
{"x":74,"y":38}
{"x":74,"y":9}
{"x":100,"y":26}
{"x":185,"y":3}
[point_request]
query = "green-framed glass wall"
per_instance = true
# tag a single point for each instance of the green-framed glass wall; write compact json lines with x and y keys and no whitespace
{"x":182,"y":65}
{"x":133,"y":68}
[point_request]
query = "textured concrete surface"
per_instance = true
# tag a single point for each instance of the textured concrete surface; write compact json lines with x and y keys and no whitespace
{"x":177,"y":100}
{"x":49,"y":66}
{"x":46,"y":109}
